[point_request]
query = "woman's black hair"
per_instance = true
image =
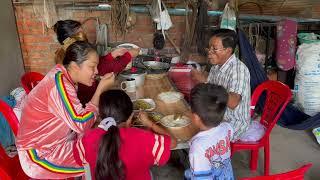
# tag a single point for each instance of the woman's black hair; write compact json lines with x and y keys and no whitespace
{"x":65,"y":29}
{"x":77,"y":52}
{"x":115,"y":104}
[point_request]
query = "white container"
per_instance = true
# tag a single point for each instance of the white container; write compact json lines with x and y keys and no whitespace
{"x":139,"y":76}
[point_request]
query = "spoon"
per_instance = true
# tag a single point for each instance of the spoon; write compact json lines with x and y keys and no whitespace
{"x":177,"y":117}
{"x":147,"y":67}
{"x":97,"y":78}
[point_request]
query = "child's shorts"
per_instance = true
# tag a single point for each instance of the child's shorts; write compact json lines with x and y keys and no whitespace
{"x":219,"y":171}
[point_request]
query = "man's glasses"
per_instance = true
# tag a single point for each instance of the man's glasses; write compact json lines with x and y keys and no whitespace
{"x":213,"y":50}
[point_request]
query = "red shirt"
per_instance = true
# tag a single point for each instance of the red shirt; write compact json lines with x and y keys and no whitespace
{"x":106,"y":64}
{"x":139,"y":150}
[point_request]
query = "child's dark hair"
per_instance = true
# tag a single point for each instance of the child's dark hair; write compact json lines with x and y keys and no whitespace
{"x":209,"y":102}
{"x":77,"y":52}
{"x":228,"y":38}
{"x":65,"y":29}
{"x":116,"y":104}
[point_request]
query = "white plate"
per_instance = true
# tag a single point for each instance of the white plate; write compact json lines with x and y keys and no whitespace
{"x":149,"y":101}
{"x":170,"y":96}
{"x":128,"y":45}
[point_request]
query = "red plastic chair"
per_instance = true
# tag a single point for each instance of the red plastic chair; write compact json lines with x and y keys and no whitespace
{"x":297,"y":174}
{"x":278,"y":96}
{"x":10,"y":167}
{"x":3,"y":174}
{"x":30,"y":79}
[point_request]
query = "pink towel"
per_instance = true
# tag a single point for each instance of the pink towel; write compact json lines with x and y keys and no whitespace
{"x":286,"y":44}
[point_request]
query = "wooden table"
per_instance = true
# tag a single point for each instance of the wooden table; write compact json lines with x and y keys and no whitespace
{"x":151,"y":88}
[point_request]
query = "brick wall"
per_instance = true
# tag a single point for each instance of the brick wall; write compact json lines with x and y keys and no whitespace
{"x":39,"y":43}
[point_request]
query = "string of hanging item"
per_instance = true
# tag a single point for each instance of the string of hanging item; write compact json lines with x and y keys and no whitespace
{"x":191,"y":19}
{"x":119,"y":16}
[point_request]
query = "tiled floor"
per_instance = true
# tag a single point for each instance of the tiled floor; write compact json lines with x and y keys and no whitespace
{"x":289,"y":150}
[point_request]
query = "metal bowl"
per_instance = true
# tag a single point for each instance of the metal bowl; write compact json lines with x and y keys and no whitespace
{"x":154,"y":66}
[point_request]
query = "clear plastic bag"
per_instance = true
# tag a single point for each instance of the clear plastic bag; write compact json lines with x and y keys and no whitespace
{"x":46,"y":11}
{"x":154,"y":10}
{"x":228,"y":19}
{"x":165,"y":20}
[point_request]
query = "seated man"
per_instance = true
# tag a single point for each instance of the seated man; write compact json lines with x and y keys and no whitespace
{"x":232,"y":74}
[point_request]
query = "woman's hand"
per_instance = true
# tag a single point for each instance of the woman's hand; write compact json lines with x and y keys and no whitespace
{"x":143,"y":117}
{"x":118,"y":52}
{"x":106,"y":82}
{"x":134,"y":52}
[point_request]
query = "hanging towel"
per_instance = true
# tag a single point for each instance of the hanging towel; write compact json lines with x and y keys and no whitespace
{"x":286,"y":44}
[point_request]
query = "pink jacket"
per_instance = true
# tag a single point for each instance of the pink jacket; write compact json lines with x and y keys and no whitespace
{"x":44,"y":139}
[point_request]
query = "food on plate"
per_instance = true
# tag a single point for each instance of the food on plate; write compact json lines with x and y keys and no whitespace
{"x":170,"y":96}
{"x":169,"y":121}
{"x":144,"y":104}
{"x":154,"y":116}
{"x":141,"y":104}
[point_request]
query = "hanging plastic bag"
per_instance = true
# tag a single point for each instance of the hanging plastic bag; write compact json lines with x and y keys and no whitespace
{"x":308,"y":38}
{"x":154,"y":10}
{"x":46,"y":11}
{"x":165,"y":20}
{"x":228,"y":19}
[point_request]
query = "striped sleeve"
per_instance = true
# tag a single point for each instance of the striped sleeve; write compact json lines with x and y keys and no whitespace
{"x":238,"y":81}
{"x":64,"y":103}
{"x":161,"y":149}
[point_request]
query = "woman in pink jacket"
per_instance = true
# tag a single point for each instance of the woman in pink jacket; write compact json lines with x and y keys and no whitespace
{"x":53,"y":117}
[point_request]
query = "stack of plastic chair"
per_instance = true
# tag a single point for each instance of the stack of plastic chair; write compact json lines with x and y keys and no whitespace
{"x":30,"y":79}
{"x":277,"y":97}
{"x":10,"y":168}
{"x":297,"y":174}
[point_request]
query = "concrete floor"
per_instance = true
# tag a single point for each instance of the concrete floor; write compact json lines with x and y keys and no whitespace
{"x":289,"y":150}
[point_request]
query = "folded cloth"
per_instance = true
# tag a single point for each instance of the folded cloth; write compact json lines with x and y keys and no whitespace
{"x":255,"y":132}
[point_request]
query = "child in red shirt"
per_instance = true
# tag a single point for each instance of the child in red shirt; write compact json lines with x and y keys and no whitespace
{"x":115,"y":150}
